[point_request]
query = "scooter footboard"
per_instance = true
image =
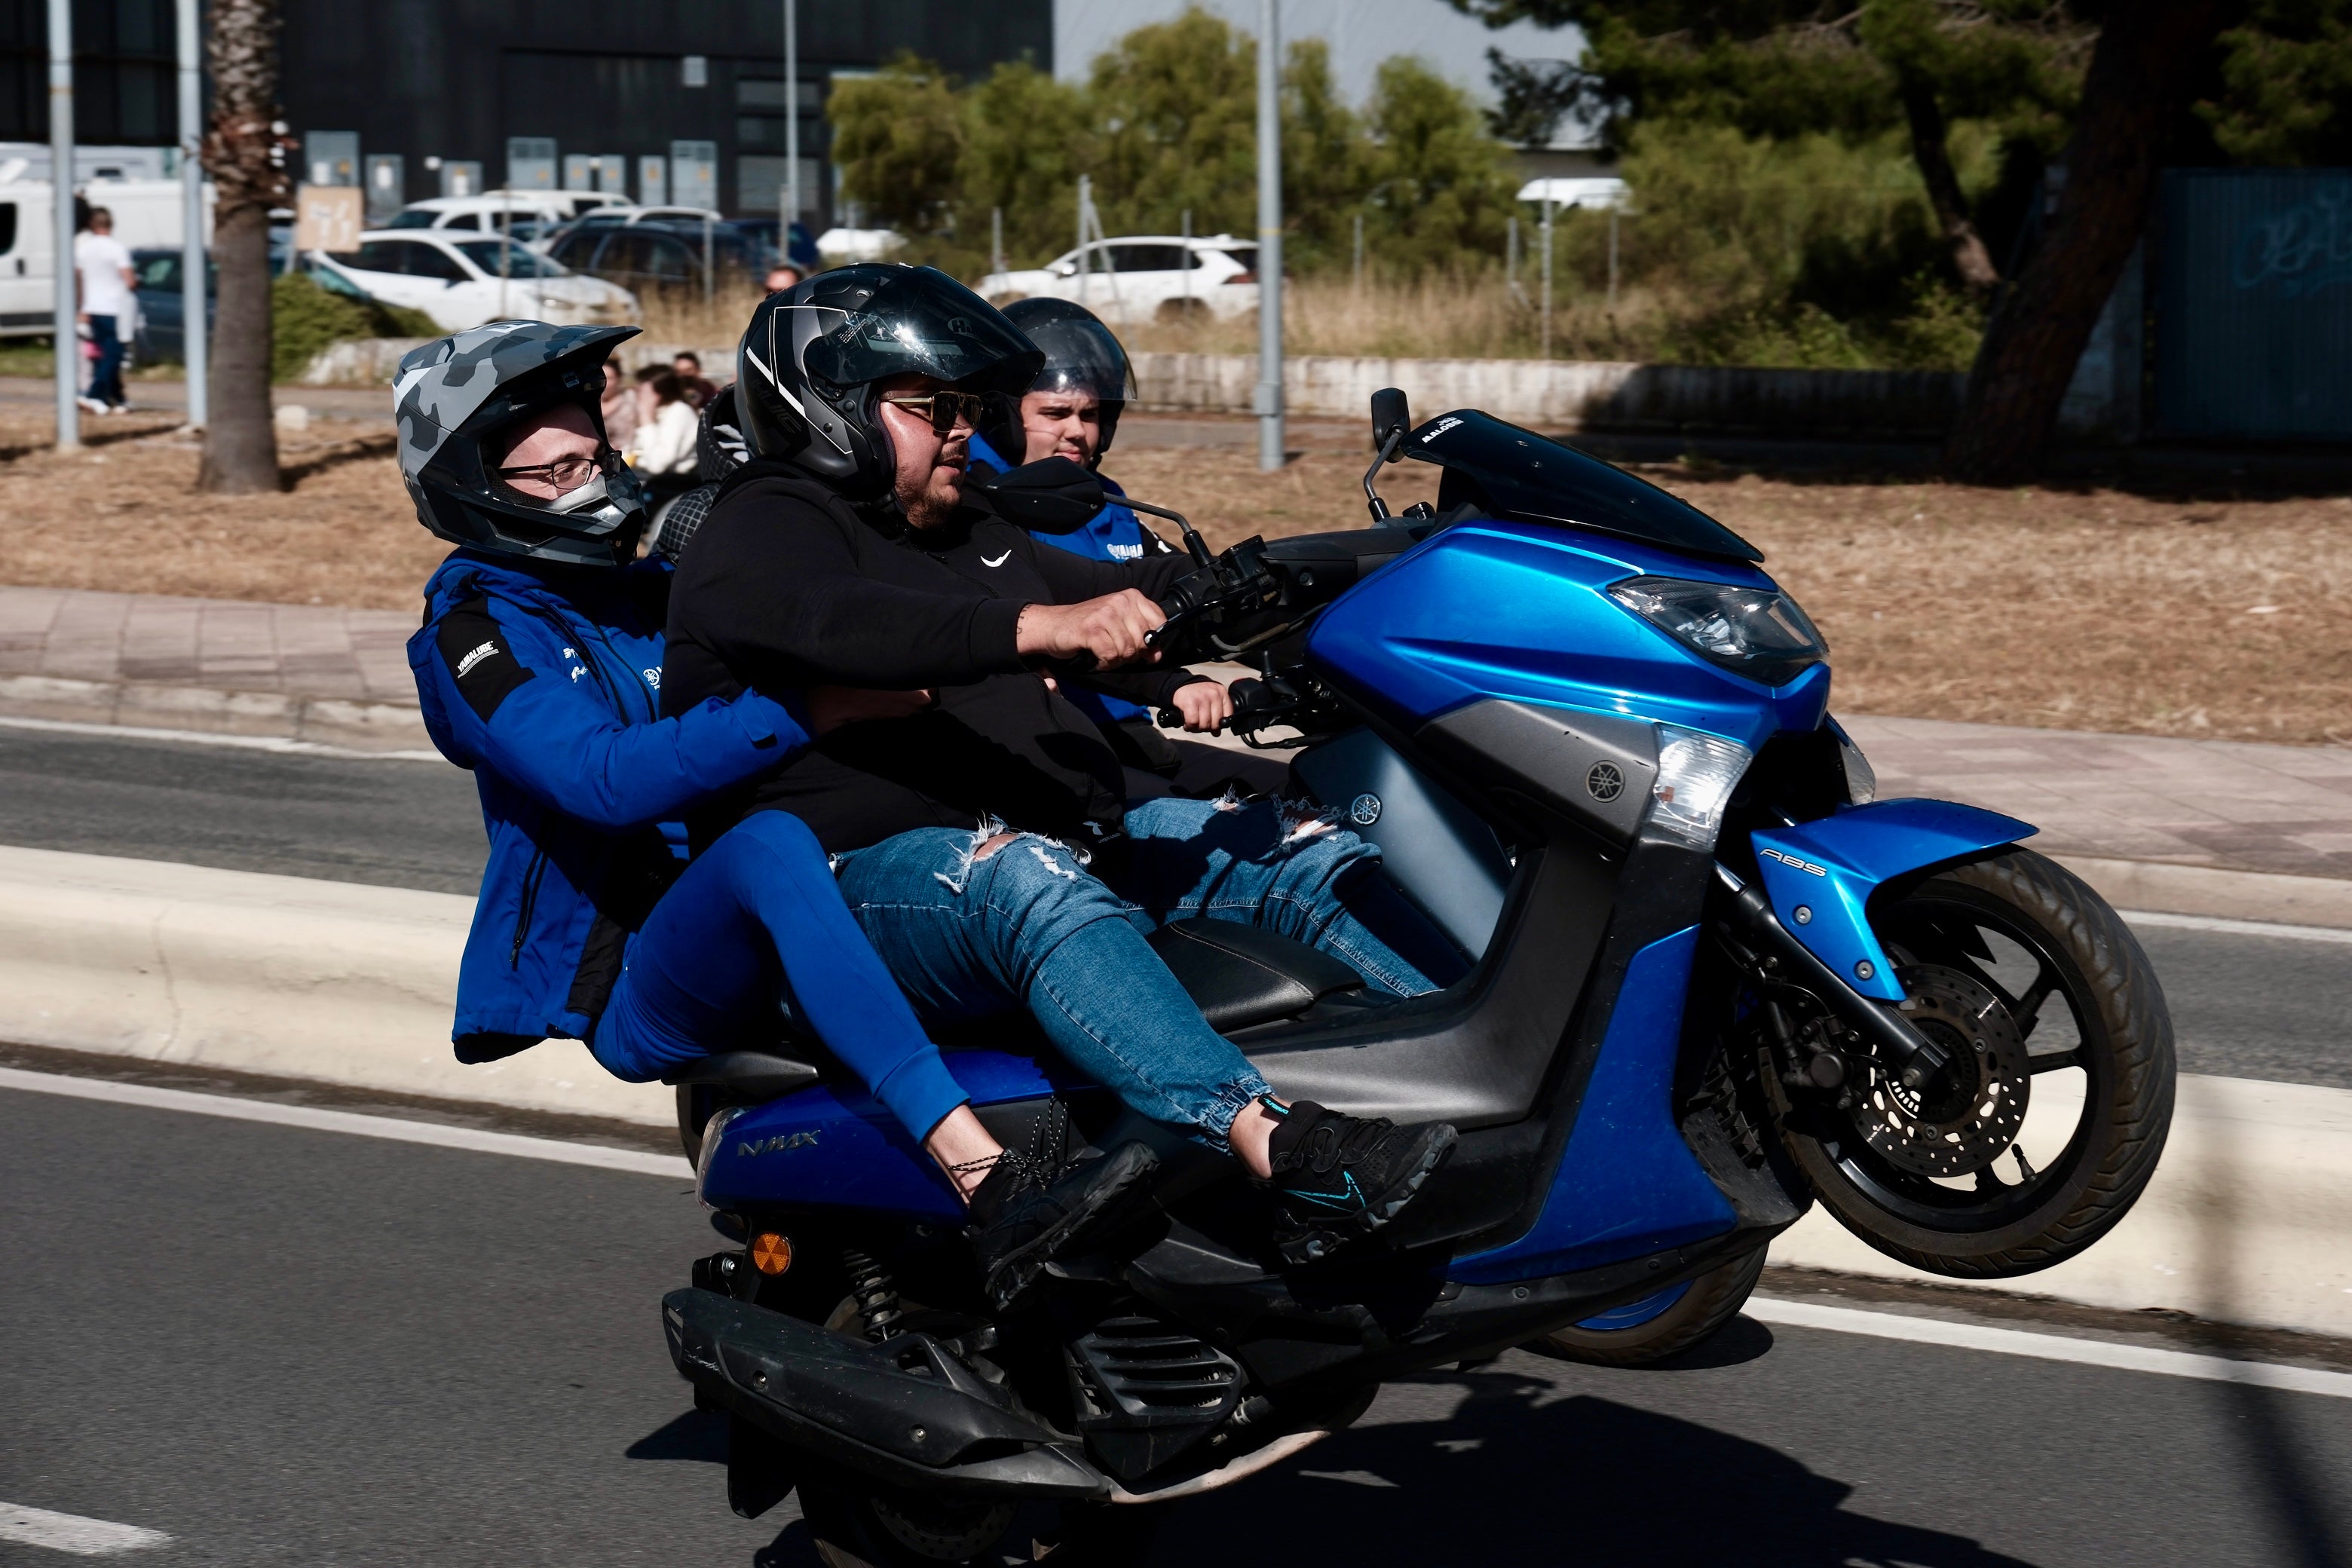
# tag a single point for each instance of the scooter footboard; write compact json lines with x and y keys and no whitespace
{"x":905,"y":1412}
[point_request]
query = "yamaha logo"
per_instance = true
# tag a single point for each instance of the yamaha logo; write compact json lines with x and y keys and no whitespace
{"x":1364,"y":810}
{"x":1605,"y":782}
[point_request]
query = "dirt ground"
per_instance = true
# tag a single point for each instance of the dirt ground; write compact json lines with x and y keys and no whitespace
{"x":2206,"y":615}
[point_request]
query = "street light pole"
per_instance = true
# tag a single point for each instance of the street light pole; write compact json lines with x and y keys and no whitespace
{"x":1270,"y":453}
{"x":196,"y":273}
{"x":61,"y":183}
{"x":791,"y":128}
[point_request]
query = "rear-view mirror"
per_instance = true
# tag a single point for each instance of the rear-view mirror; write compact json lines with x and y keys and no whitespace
{"x":1391,"y":417}
{"x":1055,"y":496}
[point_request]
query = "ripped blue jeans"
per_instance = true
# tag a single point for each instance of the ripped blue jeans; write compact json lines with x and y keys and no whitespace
{"x":1029,"y":926}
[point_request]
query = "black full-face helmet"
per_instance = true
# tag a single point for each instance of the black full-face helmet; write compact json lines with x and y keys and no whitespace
{"x":1081,"y":355}
{"x":457,"y":395}
{"x":807,"y":373}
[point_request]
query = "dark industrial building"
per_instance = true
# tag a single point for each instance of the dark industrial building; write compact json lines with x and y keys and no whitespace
{"x":421,"y":98}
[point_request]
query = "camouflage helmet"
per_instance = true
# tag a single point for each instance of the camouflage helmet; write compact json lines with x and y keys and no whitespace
{"x":455,"y":393}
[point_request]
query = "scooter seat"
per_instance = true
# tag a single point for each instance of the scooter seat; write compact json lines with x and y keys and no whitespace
{"x":746,"y":1075}
{"x":1239,"y":975}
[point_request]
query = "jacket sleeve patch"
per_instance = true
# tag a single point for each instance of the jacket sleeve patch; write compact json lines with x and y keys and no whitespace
{"x":483,"y":667}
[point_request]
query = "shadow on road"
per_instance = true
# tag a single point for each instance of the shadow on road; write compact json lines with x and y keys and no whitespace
{"x":1512,"y":1475}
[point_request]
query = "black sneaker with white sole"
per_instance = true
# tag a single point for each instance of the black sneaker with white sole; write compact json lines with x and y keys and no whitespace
{"x":1020,"y":1223}
{"x":1338,"y":1177}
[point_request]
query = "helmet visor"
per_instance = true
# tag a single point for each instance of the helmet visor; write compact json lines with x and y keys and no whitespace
{"x":1081,"y":355}
{"x":922,"y":323}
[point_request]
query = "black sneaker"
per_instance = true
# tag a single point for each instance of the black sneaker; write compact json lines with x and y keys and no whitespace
{"x":1337,"y":1177}
{"x":1020,"y":1223}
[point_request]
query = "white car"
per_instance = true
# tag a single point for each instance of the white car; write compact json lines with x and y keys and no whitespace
{"x":530,"y":215}
{"x":455,"y":279}
{"x":1143,"y":278}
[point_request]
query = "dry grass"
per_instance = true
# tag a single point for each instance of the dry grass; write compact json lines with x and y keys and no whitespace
{"x":125,"y":516}
{"x":2091,"y":609}
{"x":1471,"y":316}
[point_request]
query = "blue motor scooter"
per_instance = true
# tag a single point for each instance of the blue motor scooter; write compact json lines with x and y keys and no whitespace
{"x":1709,"y":979}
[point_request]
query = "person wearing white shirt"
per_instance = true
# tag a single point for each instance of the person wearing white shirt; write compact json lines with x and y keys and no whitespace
{"x":106,"y":307}
{"x":662,"y":450}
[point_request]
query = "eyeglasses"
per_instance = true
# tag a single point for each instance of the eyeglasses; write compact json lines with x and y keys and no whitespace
{"x":564,"y":473}
{"x":945,"y":410}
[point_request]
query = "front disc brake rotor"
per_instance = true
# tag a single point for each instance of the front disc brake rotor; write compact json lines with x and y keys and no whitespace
{"x":1962,"y":1118}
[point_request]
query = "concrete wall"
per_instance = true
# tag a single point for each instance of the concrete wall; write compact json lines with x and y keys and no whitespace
{"x":1575,"y":394}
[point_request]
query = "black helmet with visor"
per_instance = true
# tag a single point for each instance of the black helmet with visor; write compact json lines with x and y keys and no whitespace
{"x":809,"y":372}
{"x":1082,"y":355}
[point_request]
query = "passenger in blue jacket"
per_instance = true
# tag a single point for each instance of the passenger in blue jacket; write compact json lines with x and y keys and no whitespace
{"x":539,"y":669}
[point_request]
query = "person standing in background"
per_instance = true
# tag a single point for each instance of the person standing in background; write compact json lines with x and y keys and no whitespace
{"x":104,"y":282}
{"x":619,"y":405}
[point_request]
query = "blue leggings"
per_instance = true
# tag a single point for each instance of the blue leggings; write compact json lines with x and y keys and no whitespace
{"x":757,"y":917}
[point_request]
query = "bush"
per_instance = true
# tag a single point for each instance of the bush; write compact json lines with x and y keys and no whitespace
{"x":305,"y":319}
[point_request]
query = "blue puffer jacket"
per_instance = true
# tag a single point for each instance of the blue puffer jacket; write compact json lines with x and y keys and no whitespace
{"x":553,"y":699}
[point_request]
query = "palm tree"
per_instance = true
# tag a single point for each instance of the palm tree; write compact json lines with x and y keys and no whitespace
{"x":240,"y":442}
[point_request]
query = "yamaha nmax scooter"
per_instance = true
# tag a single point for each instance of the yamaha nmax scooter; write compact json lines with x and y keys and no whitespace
{"x":1709,"y":980}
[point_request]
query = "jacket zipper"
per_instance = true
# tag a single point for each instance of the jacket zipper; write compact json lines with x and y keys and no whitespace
{"x":531,"y":878}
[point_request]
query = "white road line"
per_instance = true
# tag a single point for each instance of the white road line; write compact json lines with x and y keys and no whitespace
{"x":399,"y":1131}
{"x":2050,"y":1347}
{"x":71,"y":1533}
{"x":1764,"y":1309}
{"x":209,"y":738}
{"x":2236,"y":928}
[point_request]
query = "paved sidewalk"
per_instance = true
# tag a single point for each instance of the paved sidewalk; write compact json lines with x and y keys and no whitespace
{"x":339,"y":675}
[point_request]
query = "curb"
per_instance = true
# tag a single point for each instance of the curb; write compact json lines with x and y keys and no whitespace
{"x":2248,"y":1220}
{"x":319,"y":721}
{"x":2212,"y":890}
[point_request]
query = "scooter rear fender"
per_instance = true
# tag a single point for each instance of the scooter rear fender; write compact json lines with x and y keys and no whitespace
{"x":1819,"y":874}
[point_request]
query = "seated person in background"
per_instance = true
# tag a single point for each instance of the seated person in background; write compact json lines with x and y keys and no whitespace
{"x":1073,"y":411}
{"x":697,"y":388}
{"x":538,"y":668}
{"x":663,"y":453}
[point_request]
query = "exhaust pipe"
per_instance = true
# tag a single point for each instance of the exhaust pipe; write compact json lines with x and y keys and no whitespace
{"x":907,"y":1411}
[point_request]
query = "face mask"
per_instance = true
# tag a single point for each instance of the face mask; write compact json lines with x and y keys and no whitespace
{"x":594,"y":493}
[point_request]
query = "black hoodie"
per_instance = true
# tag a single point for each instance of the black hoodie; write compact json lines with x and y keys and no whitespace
{"x":787,"y":585}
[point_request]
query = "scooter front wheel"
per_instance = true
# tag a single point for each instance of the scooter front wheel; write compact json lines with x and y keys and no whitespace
{"x":2045,"y":1128}
{"x":1643,"y":1332}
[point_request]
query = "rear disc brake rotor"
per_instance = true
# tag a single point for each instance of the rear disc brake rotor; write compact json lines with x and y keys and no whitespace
{"x":1962,"y":1118}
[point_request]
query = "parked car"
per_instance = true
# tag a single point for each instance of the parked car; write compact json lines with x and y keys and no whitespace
{"x":163,"y":303}
{"x":803,"y":251}
{"x":1143,"y":278}
{"x":456,"y":280}
{"x":530,"y":216}
{"x":647,"y":254}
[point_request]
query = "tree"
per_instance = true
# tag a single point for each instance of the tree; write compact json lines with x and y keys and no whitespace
{"x":2143,"y":82}
{"x":1441,"y":186}
{"x":2287,"y":77}
{"x":898,"y":136}
{"x":1176,"y":112}
{"x":241,"y":157}
{"x":1027,"y":138}
{"x":1788,"y":69}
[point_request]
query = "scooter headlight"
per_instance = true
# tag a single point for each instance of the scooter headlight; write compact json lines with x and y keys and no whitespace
{"x":1696,"y":774}
{"x":1755,"y":632}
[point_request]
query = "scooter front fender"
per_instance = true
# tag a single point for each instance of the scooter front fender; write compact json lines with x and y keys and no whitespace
{"x":1819,"y":874}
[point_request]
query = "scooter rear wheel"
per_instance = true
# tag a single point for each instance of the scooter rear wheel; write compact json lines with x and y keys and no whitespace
{"x":1643,"y":1332}
{"x":857,"y":1523}
{"x":2040,"y":988}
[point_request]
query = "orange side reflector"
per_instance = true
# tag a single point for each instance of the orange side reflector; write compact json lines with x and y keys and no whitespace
{"x":770,"y":1253}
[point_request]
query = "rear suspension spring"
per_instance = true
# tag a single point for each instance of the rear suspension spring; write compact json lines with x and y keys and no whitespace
{"x":877,"y":1295}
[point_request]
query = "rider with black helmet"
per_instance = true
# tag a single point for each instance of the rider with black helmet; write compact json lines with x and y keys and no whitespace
{"x":539,"y":670}
{"x":969,"y":838}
